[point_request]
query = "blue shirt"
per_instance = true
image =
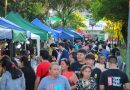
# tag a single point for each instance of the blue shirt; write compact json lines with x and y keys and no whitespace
{"x":59,"y":83}
{"x":7,"y":83}
{"x":64,"y":54}
{"x":105,"y":53}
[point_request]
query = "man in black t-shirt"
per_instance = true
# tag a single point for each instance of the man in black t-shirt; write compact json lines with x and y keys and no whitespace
{"x":90,"y":59}
{"x":113,"y":78}
{"x":76,"y":66}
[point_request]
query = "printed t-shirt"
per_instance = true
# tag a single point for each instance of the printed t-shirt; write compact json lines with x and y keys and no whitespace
{"x":113,"y":79}
{"x":59,"y":83}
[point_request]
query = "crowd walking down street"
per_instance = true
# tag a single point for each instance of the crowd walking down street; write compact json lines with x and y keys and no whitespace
{"x":88,"y":65}
{"x":64,"y":44}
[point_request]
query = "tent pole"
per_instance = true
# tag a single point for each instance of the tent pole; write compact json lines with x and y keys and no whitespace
{"x":11,"y":49}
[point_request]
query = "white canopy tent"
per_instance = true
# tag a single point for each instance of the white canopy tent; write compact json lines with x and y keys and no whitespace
{"x":37,"y":38}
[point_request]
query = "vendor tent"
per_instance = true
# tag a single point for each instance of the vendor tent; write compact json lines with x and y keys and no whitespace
{"x":80,"y":31}
{"x":5,"y":33}
{"x":15,"y":35}
{"x":11,"y":25}
{"x":77,"y":36}
{"x":54,"y":18}
{"x":65,"y":35}
{"x":37,"y":38}
{"x":39,"y":24}
{"x":17,"y":19}
{"x":19,"y":36}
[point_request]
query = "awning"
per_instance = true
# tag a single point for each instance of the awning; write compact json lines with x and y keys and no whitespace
{"x":17,"y":19}
{"x":54,"y":18}
{"x":11,"y":25}
{"x":80,"y":31}
{"x":39,"y":24}
{"x":65,"y":35}
{"x":77,"y":36}
{"x":5,"y":33}
{"x":15,"y":35}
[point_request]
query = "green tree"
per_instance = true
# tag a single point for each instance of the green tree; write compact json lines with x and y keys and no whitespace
{"x":76,"y":20}
{"x":56,"y":24}
{"x":1,"y":8}
{"x":114,"y":10}
{"x":114,"y":30}
{"x":33,"y":10}
{"x":65,"y":8}
{"x":29,"y":9}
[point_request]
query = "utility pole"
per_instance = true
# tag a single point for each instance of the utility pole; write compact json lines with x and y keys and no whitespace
{"x":128,"y":46}
{"x":6,"y":5}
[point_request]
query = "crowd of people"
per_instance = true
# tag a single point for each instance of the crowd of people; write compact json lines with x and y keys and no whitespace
{"x":88,"y":65}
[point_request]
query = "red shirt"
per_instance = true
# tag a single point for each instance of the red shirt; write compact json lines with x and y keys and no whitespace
{"x":72,"y":78}
{"x":68,"y":74}
{"x":43,"y":69}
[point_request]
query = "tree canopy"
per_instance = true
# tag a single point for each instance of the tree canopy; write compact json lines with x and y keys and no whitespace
{"x":65,"y":8}
{"x":114,"y":10}
{"x":114,"y":29}
{"x":30,"y":9}
{"x":76,"y":20}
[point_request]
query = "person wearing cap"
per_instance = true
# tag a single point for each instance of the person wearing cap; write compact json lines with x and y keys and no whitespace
{"x":113,"y":78}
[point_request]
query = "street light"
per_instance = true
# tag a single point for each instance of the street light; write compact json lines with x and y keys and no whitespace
{"x":92,"y":23}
